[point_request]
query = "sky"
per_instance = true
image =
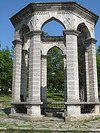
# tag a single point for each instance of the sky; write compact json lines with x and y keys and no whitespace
{"x":10,"y":7}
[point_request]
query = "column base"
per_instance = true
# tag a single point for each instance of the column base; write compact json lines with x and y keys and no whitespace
{"x":13,"y":109}
{"x":34,"y":110}
{"x":26,"y":111}
{"x":97,"y":109}
{"x":73,"y":110}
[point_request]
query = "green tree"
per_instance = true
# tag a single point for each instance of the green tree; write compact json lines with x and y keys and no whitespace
{"x":6,"y":65}
{"x":98,"y":66}
{"x":55,"y":68}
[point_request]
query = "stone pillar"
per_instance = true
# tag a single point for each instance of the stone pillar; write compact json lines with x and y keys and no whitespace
{"x":44,"y":79}
{"x":92,"y":70}
{"x":34,"y":73}
{"x":65,"y":80}
{"x":16,"y":71}
{"x":24,"y":76}
{"x":87,"y":74}
{"x":72,"y":72}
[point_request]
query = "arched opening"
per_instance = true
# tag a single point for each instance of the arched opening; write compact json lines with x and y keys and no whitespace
{"x":53,"y":82}
{"x":55,"y":75}
{"x":84,"y":34}
{"x":25,"y":29}
{"x":53,"y":27}
{"x":25,"y":63}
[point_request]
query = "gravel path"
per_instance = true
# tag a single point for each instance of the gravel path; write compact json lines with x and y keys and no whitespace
{"x":6,"y":122}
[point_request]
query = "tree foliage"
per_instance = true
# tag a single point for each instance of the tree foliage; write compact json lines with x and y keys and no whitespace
{"x":55,"y":68}
{"x":6,"y":65}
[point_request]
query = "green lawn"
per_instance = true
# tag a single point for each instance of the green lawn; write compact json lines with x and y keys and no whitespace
{"x":5,"y":97}
{"x":52,"y":97}
{"x":55,"y":97}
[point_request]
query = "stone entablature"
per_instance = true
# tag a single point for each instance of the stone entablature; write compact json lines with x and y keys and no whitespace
{"x":59,"y":7}
{"x":69,"y":14}
{"x":31,"y":46}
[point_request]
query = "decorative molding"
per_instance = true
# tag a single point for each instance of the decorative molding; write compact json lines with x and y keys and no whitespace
{"x":90,"y":40}
{"x":71,"y":32}
{"x":35,"y":32}
{"x":61,"y":7}
{"x":65,"y":12}
{"x":17,"y":42}
{"x":44,"y":56}
{"x":40,"y":13}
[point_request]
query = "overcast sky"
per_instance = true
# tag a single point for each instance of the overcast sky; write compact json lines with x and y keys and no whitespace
{"x":10,"y":7}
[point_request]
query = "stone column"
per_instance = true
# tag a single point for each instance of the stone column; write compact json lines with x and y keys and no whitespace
{"x":72,"y":72}
{"x":44,"y":79}
{"x":87,"y":74}
{"x":65,"y":80}
{"x":24,"y":76}
{"x":92,"y":70}
{"x":16,"y":71}
{"x":35,"y":73}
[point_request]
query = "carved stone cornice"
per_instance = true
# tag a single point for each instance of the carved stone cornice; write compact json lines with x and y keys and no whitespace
{"x":15,"y":42}
{"x":90,"y":40}
{"x":35,"y":32}
{"x":71,"y":32}
{"x":43,"y":7}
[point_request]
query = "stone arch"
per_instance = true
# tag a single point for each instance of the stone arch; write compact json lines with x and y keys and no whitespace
{"x":53,"y":18}
{"x":55,"y":47}
{"x":47,"y":47}
{"x":23,"y":36}
{"x":25,"y":47}
{"x":84,"y":30}
{"x":84,"y":34}
{"x":23,"y":30}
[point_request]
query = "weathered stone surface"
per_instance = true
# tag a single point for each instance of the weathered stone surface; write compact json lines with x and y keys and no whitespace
{"x":29,"y":40}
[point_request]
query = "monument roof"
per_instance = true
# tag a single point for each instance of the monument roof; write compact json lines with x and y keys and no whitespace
{"x":52,"y":6}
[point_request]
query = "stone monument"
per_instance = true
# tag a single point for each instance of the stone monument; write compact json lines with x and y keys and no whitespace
{"x":31,"y":47}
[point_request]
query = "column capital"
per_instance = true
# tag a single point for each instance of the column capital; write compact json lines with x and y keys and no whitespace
{"x":44,"y":56}
{"x":25,"y":51}
{"x":71,"y":32}
{"x":17,"y":42}
{"x":90,"y":40}
{"x":34,"y":32}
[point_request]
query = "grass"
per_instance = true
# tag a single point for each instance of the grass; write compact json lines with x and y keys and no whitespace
{"x":55,"y":97}
{"x":86,"y":121}
{"x":6,"y":103}
{"x":5,"y":96}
